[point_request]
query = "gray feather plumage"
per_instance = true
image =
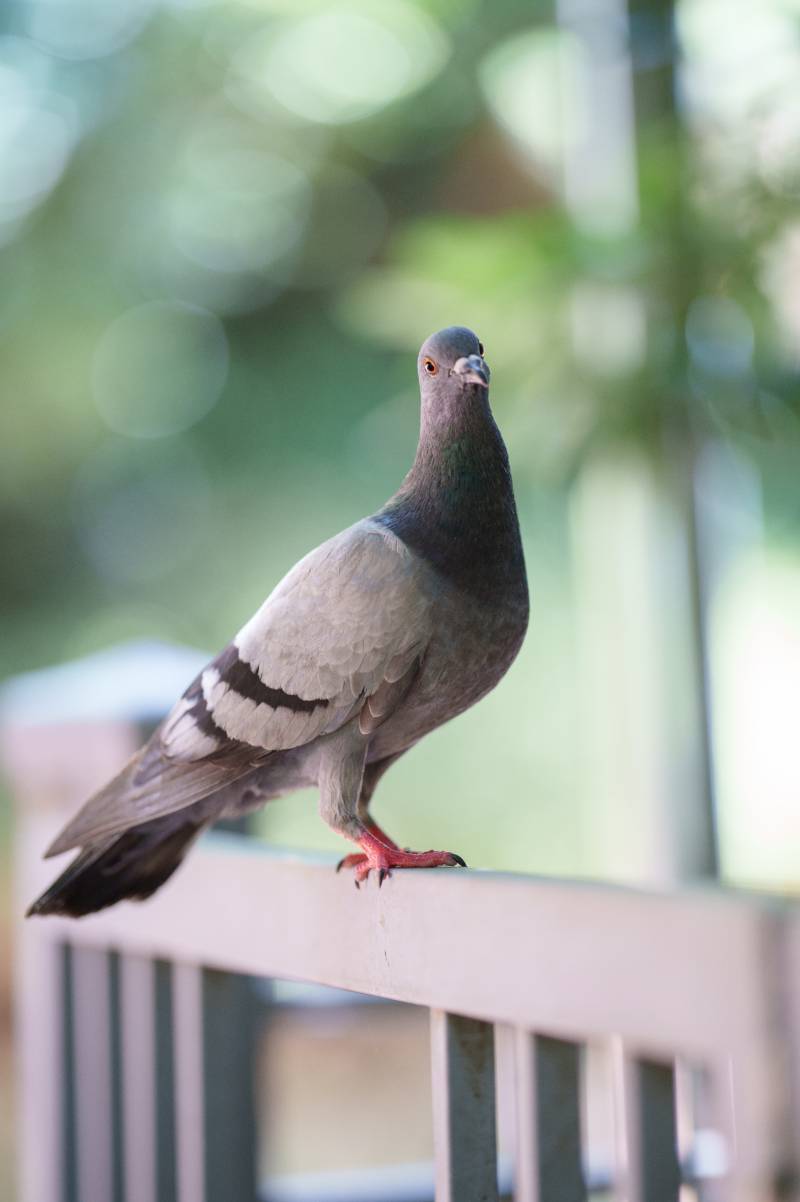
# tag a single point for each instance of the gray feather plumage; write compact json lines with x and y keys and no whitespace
{"x":373,"y":639}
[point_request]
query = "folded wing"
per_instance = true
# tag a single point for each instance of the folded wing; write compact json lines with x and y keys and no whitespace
{"x":342,"y":634}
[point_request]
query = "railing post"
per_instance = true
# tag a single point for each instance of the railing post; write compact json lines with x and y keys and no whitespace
{"x":464,"y":1125}
{"x":647,"y":1129}
{"x":229,"y":1087}
{"x":549,"y":1164}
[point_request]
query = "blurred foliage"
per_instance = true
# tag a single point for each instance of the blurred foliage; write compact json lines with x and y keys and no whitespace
{"x":225,"y":228}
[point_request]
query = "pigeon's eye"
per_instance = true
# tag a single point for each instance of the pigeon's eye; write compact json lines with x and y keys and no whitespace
{"x":430,"y":367}
{"x":480,"y":349}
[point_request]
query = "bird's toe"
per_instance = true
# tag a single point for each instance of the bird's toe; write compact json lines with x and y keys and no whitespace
{"x":351,"y":861}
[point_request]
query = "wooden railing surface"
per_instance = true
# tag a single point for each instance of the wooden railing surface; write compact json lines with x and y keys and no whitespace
{"x":135,"y":1026}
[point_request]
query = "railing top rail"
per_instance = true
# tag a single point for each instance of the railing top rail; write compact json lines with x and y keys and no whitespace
{"x":676,"y":972}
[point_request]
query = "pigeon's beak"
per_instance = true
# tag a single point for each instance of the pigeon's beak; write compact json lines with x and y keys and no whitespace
{"x":473,"y":370}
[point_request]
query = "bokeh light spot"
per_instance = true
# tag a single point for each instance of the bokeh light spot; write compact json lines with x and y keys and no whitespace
{"x":38,"y":130}
{"x":237,"y":209}
{"x":345,"y":63}
{"x":532,"y":86}
{"x":159,"y":368}
{"x":84,"y":29}
{"x":781,"y":281}
{"x":609,"y":328}
{"x":720,"y":336}
{"x":731,"y":67}
{"x":779,"y":149}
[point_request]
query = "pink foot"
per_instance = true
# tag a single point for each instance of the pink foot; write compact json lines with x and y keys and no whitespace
{"x":358,"y":857}
{"x":380,"y":833}
{"x":383,"y":859}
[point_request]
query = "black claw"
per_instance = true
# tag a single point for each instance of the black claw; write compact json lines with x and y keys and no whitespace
{"x":357,"y":882}
{"x":382,"y":875}
{"x":458,"y":860}
{"x":340,"y":864}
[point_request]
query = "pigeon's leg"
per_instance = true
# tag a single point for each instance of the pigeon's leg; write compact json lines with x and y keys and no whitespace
{"x":344,"y":776}
{"x":341,"y":775}
{"x":372,"y":774}
{"x":341,"y":783}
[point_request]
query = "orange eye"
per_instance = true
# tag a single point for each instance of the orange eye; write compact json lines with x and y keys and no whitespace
{"x":480,"y":349}
{"x":430,"y":367}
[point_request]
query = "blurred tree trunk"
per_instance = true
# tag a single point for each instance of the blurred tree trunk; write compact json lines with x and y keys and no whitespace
{"x":640,"y":571}
{"x":659,"y":125}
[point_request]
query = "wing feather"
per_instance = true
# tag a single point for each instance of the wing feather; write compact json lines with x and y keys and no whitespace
{"x":348,"y":614}
{"x":342,"y":634}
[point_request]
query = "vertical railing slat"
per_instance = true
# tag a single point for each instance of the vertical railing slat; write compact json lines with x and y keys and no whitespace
{"x":660,"y":1169}
{"x":166,"y":1177}
{"x":91,"y":1033}
{"x":69,"y":1141}
{"x":187,"y":1004}
{"x":229,"y":1087}
{"x":115,"y":1067}
{"x":137,"y":1020}
{"x":549,"y":1163}
{"x":649,"y":1168}
{"x":463,"y":1085}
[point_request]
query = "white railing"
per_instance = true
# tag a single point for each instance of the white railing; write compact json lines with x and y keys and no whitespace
{"x":695,"y":994}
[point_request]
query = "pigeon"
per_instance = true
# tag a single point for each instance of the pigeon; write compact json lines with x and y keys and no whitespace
{"x":374,"y":639}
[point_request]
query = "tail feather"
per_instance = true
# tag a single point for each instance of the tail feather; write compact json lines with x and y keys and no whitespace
{"x":131,"y":865}
{"x":148,"y":787}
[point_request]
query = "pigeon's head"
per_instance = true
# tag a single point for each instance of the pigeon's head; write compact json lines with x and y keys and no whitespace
{"x":451,"y":363}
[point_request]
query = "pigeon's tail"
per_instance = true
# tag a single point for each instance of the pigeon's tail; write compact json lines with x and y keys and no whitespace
{"x":133,"y":865}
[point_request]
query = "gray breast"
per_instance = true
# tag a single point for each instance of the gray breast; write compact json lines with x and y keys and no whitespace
{"x":473,"y":647}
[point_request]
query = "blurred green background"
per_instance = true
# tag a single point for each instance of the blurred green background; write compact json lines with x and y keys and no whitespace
{"x":225,"y":229}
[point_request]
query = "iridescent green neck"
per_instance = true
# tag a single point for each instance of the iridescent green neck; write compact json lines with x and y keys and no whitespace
{"x":456,"y":507}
